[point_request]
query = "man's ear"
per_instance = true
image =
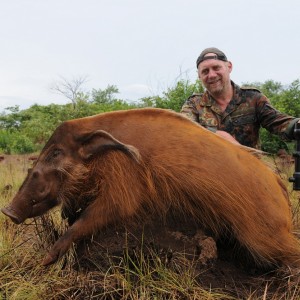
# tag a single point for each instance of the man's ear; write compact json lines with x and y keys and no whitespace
{"x":229,"y":66}
{"x":101,"y":141}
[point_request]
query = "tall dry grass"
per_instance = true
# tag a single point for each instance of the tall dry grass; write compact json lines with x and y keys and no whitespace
{"x":22,"y":249}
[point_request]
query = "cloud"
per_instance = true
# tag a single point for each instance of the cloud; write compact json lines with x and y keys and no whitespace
{"x":139,"y":45}
{"x":136,"y":91}
{"x":9,"y":101}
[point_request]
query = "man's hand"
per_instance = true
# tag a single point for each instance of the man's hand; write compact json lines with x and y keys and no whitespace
{"x":227,"y":136}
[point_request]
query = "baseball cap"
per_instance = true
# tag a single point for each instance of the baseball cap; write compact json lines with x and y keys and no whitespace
{"x":220,"y":55}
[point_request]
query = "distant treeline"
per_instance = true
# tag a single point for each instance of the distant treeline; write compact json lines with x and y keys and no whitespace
{"x":26,"y":131}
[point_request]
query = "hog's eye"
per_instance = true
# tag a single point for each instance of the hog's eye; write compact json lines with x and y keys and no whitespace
{"x":56,"y":153}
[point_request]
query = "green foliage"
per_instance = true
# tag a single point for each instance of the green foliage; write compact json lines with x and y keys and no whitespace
{"x":15,"y":142}
{"x":28,"y":130}
{"x":5,"y":141}
{"x":286,"y":100}
{"x":174,"y":97}
{"x":22,"y":144}
{"x":269,"y":88}
{"x":272,"y":143}
{"x":13,"y":119}
{"x":105,"y":96}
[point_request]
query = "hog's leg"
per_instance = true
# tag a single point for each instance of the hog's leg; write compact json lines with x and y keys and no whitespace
{"x":93,"y":218}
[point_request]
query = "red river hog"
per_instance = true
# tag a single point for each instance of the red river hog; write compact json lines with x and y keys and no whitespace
{"x":146,"y":163}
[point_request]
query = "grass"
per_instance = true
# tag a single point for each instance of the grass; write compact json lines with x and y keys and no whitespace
{"x":143,"y":274}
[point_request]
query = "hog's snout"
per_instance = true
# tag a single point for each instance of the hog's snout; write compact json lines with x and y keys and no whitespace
{"x":8,"y":211}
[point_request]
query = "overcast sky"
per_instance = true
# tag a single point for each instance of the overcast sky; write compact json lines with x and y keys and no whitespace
{"x":140,"y":46}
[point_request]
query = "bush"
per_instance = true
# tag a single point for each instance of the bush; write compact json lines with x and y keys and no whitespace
{"x":5,"y":141}
{"x":272,"y":143}
{"x":22,"y":144}
{"x":15,"y":143}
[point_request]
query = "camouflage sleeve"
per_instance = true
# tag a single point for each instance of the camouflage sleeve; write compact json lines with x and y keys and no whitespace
{"x":275,"y":121}
{"x":189,"y":110}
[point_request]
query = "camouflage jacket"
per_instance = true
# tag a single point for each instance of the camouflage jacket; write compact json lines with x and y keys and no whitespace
{"x":247,"y":111}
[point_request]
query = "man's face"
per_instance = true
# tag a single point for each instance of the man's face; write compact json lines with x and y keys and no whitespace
{"x":215,"y":74}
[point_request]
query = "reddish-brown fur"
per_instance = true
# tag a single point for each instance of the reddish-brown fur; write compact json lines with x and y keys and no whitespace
{"x":168,"y":163}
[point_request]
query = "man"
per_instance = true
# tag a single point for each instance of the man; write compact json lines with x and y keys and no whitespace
{"x":233,"y":112}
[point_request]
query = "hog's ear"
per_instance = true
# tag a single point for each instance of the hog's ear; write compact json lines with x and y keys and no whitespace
{"x":100,"y":141}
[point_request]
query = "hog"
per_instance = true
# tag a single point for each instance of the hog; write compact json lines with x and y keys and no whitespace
{"x":144,"y":164}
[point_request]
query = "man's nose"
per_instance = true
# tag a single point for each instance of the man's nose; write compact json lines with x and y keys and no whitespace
{"x":211,"y":74}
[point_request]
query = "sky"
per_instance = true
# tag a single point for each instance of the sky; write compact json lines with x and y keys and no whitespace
{"x":141,"y":46}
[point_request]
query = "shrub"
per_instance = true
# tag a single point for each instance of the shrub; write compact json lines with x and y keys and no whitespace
{"x":14,"y":142}
{"x":22,"y":144}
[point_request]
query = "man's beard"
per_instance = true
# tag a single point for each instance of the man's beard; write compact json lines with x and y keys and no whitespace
{"x":217,"y":90}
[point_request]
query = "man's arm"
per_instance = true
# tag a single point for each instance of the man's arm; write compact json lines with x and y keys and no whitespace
{"x":275,"y":121}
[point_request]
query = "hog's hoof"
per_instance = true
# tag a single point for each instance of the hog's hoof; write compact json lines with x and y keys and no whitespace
{"x":49,"y":260}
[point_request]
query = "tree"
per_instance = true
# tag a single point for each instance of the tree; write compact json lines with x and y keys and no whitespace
{"x":289,"y":99}
{"x":71,"y":89}
{"x":270,"y":88}
{"x":175,"y":96}
{"x":13,"y":120}
{"x":27,"y":130}
{"x":286,"y":100}
{"x":105,"y":96}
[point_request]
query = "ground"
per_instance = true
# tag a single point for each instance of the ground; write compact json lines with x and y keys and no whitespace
{"x":214,"y":266}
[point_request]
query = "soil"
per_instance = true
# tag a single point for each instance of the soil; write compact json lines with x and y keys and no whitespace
{"x":216,"y":266}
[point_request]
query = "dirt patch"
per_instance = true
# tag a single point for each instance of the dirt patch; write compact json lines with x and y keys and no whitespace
{"x":214,"y":264}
